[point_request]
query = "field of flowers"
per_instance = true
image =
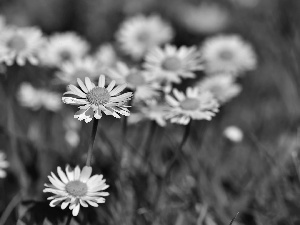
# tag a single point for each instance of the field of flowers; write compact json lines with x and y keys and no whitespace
{"x":135,"y":112}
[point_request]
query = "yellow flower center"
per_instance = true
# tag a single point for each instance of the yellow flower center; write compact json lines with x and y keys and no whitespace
{"x":135,"y":79}
{"x":190,"y":104}
{"x":98,"y":96}
{"x":17,"y":43}
{"x":171,"y":64}
{"x":226,"y":55}
{"x":81,"y":73}
{"x":76,"y":188}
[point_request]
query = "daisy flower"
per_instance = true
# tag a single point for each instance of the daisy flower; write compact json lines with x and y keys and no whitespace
{"x":171,"y":63}
{"x":75,"y":188}
{"x":228,"y":54}
{"x":139,"y":34}
{"x":192,"y":105}
{"x":136,"y":80}
{"x":63,"y":47}
{"x":78,"y":68}
{"x":222,"y":86}
{"x":106,"y":56}
{"x":20,"y":45}
{"x":3,"y":165}
{"x":95,"y":99}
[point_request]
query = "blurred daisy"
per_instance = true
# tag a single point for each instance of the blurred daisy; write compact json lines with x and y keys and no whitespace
{"x":246,"y":3}
{"x":192,"y":105}
{"x":63,"y":47}
{"x":20,"y":45}
{"x":72,"y":128}
{"x":78,"y":68}
{"x":171,"y":63}
{"x":3,"y":165}
{"x":94,"y":99}
{"x":228,"y":54}
{"x":233,"y":134}
{"x":75,"y":188}
{"x":139,"y":34}
{"x":222,"y":86}
{"x":136,"y":80}
{"x":106,"y":56}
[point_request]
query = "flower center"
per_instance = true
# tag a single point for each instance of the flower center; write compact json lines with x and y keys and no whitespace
{"x":98,"y":96}
{"x":65,"y":55}
{"x":190,"y":104}
{"x":143,"y":37}
{"x":17,"y":43}
{"x":226,"y":54}
{"x":81,"y":73}
{"x":135,"y":79}
{"x":171,"y":64}
{"x":76,"y":188}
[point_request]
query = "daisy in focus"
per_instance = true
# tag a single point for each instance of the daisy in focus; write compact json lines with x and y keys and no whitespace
{"x":228,"y":54}
{"x":136,"y":80}
{"x":62,"y":48}
{"x":222,"y":86}
{"x":139,"y":34}
{"x":170,"y":63}
{"x":193,"y":105}
{"x":92,"y":99}
{"x":75,"y":188}
{"x":20,"y":45}
{"x":3,"y":165}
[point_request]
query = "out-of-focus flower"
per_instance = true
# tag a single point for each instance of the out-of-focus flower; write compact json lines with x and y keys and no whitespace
{"x":136,"y":80}
{"x":63,"y":47}
{"x":246,"y":3}
{"x":170,"y":64}
{"x":106,"y":56}
{"x":204,"y":18}
{"x":233,"y":133}
{"x":228,"y":53}
{"x":193,"y":105}
{"x":75,"y":188}
{"x":94,"y":99}
{"x":139,"y":34}
{"x":3,"y":165}
{"x":222,"y":86}
{"x":20,"y":45}
{"x":78,"y":68}
{"x":72,"y":131}
{"x":33,"y":98}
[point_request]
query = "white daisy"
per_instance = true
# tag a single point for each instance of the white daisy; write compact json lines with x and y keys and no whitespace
{"x":3,"y":165}
{"x":106,"y":56}
{"x":222,"y":86}
{"x":171,"y":63}
{"x":136,"y":80}
{"x":63,"y":47}
{"x":139,"y":34}
{"x":233,"y":133}
{"x":94,"y":99}
{"x":75,"y":188}
{"x":78,"y":68}
{"x":192,"y":105}
{"x":20,"y":45}
{"x":228,"y":54}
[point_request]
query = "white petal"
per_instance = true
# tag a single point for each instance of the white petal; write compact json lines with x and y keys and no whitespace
{"x":75,"y":211}
{"x":101,"y":82}
{"x":85,"y":173}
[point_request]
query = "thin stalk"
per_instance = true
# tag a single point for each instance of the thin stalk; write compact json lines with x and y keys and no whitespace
{"x":91,"y":144}
{"x":149,"y":140}
{"x":231,"y":222}
{"x":10,"y":207}
{"x":69,"y":219}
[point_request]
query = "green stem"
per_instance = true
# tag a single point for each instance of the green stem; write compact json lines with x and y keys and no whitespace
{"x":92,"y":140}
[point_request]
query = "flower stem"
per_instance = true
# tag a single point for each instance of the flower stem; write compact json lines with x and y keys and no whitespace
{"x":92,"y":140}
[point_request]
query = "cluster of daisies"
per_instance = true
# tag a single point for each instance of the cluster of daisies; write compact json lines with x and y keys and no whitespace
{"x":144,"y":73}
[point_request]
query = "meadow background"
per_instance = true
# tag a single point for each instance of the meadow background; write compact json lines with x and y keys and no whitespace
{"x":258,"y":177}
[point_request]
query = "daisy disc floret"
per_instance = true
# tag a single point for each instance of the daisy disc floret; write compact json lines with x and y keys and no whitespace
{"x":92,"y":99}
{"x":75,"y":188}
{"x":3,"y":165}
{"x":192,"y":105}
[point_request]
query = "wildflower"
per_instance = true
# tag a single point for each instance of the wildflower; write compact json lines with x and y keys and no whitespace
{"x":63,"y":47}
{"x":192,"y":105}
{"x":20,"y":45}
{"x":233,"y":134}
{"x":139,"y":34}
{"x":75,"y":188}
{"x":228,"y":54}
{"x":94,"y":99}
{"x":136,"y":80}
{"x":3,"y":165}
{"x":106,"y":56}
{"x":222,"y":86}
{"x":170,"y":64}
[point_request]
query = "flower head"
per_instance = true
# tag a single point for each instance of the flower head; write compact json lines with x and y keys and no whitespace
{"x":106,"y":56}
{"x":192,"y":105}
{"x":75,"y":188}
{"x":228,"y":54}
{"x":20,"y":45}
{"x":139,"y":34}
{"x":3,"y":164}
{"x":171,"y":63}
{"x":95,"y":99}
